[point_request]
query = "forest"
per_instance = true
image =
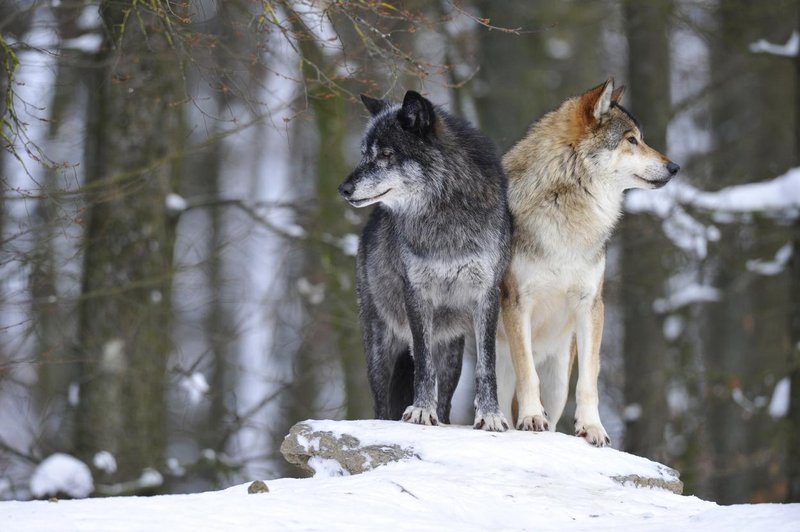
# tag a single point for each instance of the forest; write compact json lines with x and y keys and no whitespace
{"x":177,"y":267}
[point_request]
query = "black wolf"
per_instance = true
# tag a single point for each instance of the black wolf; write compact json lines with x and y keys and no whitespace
{"x":430,"y":259}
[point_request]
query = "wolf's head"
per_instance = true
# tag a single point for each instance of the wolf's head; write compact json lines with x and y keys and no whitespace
{"x":392,"y":152}
{"x":611,"y":141}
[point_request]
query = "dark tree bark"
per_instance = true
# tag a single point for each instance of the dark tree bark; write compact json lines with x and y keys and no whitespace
{"x":742,"y":347}
{"x":644,"y":262}
{"x":334,"y":318}
{"x":793,"y":455}
{"x":135,"y":127}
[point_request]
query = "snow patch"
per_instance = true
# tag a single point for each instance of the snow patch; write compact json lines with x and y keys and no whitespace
{"x":150,"y":478}
{"x":673,"y":327}
{"x":62,"y":473}
{"x":89,"y":18}
{"x":789,"y":49}
{"x":349,"y":244}
{"x":175,"y":467}
{"x":632,"y":412}
{"x":74,"y":394}
{"x":771,"y":267}
{"x":779,"y":404}
{"x":105,"y":461}
{"x":315,"y":293}
{"x":677,"y":398}
{"x":89,"y":43}
{"x":777,"y":197}
{"x":326,"y":467}
{"x":175,"y":203}
{"x":692,"y":293}
{"x":196,"y":386}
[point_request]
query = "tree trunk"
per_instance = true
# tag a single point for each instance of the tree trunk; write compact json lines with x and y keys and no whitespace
{"x":644,"y":266}
{"x":334,"y":318}
{"x":741,"y":347}
{"x":134,"y":125}
{"x":793,"y":454}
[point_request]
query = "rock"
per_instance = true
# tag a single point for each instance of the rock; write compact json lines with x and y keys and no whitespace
{"x":258,"y":486}
{"x":671,"y":484}
{"x":335,"y":448}
{"x":304,"y":443}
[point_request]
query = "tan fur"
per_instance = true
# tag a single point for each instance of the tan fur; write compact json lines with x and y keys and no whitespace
{"x":566,"y":179}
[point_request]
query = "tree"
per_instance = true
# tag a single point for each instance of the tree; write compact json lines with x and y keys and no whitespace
{"x":793,"y":444}
{"x":135,"y":127}
{"x":643,"y":262}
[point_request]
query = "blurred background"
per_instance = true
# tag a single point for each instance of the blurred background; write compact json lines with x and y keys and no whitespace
{"x":176,"y":270}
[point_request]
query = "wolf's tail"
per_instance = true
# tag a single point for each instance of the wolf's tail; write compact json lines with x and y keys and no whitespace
{"x":401,"y":387}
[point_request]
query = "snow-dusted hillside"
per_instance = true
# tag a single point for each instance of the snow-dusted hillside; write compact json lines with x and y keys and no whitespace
{"x":454,"y":478}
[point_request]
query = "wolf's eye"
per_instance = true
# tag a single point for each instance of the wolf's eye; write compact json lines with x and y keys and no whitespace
{"x":385,"y":154}
{"x":633,"y":140}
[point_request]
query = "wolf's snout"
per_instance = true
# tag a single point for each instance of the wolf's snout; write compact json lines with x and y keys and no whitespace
{"x":672,"y":168}
{"x":346,"y":189}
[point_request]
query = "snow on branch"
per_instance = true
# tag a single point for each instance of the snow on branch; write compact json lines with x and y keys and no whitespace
{"x":790,"y":49}
{"x":778,"y":197}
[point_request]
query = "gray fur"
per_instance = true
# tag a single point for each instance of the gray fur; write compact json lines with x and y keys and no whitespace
{"x":430,"y":258}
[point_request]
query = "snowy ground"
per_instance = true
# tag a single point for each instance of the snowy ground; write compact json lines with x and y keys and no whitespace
{"x":462,"y":480}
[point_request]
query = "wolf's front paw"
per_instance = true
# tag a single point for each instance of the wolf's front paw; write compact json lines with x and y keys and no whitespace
{"x":420,"y":415}
{"x":494,"y":422}
{"x":535,"y":423}
{"x":593,"y":433}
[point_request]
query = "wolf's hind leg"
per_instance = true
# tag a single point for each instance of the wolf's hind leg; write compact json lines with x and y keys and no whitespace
{"x":554,"y":372}
{"x":401,"y":387}
{"x":517,"y":325}
{"x":448,"y":358}
{"x":382,"y":352}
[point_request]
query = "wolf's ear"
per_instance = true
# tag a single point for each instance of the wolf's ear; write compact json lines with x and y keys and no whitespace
{"x":618,"y":93}
{"x":373,"y":105}
{"x":417,"y":114}
{"x":596,"y":102}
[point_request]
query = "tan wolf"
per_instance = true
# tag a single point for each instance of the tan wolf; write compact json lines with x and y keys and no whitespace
{"x":566,"y":180}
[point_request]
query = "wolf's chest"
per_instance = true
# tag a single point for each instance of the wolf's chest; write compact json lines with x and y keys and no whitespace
{"x":563,"y":282}
{"x":450,"y":281}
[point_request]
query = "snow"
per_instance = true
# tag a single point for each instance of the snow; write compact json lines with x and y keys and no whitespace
{"x":673,"y":327}
{"x":61,"y":473}
{"x":677,"y":398}
{"x":175,"y":203}
{"x":74,"y":394}
{"x":196,"y":386}
{"x":462,"y":480}
{"x":90,"y":18}
{"x":105,"y":461}
{"x":691,"y":293}
{"x":349,"y":244}
{"x":779,"y":404}
{"x":776,"y":197}
{"x":779,"y":194}
{"x":314,"y":292}
{"x":772,"y":267}
{"x":632,"y":412}
{"x":89,"y":43}
{"x":326,"y":467}
{"x":789,"y":49}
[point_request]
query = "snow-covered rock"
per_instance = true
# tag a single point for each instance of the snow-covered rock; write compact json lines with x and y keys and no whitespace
{"x":359,"y":446}
{"x":446,"y":478}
